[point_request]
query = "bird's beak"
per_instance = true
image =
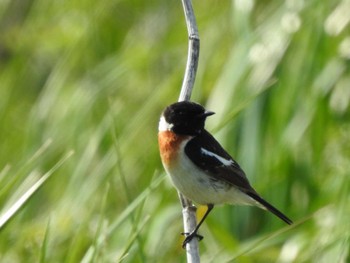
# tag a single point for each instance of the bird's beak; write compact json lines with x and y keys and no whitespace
{"x":208,"y":113}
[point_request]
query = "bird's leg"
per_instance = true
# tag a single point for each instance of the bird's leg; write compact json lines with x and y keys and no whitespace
{"x":190,"y":236}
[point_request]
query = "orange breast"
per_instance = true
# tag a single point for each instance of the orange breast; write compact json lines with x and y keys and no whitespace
{"x":169,"y":145}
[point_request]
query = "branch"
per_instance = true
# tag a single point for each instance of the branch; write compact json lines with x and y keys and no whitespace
{"x":193,"y":51}
{"x":188,"y":209}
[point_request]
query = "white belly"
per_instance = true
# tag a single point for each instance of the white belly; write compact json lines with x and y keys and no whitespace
{"x":200,"y":188}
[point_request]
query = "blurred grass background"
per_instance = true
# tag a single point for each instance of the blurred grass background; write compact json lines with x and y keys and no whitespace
{"x":93,"y":77}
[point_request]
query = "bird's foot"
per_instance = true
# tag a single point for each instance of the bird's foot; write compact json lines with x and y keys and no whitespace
{"x":190,"y":236}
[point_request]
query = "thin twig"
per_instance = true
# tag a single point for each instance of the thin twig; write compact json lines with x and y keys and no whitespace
{"x":193,"y":51}
{"x":188,"y":209}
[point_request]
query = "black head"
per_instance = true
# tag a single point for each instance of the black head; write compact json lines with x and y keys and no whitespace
{"x":184,"y":117}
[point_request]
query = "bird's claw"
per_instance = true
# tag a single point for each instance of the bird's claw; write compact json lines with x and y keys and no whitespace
{"x":189,"y":237}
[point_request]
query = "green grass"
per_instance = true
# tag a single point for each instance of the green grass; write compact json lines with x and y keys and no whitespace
{"x":92,"y":77}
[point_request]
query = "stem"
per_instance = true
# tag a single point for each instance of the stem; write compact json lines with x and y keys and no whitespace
{"x":188,"y":209}
{"x":193,"y":51}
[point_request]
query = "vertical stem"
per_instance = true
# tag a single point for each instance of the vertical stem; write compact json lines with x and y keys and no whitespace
{"x":193,"y":51}
{"x":188,"y":209}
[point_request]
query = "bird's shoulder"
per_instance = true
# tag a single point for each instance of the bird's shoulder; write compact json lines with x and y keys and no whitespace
{"x":207,"y":154}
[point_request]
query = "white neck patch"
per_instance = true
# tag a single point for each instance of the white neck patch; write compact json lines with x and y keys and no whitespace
{"x":164,"y":125}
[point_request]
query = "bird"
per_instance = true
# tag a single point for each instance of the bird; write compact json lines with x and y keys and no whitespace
{"x":199,"y":167}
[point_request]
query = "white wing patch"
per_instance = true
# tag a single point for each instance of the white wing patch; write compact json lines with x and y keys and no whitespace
{"x":221,"y":159}
{"x":164,"y":125}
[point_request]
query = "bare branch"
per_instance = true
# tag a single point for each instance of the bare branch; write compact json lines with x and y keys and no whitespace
{"x":188,"y":209}
{"x":190,"y":223}
{"x":193,"y":51}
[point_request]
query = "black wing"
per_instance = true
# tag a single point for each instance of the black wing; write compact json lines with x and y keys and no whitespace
{"x":206,"y":152}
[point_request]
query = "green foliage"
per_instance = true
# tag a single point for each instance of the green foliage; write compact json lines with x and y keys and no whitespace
{"x":93,"y":76}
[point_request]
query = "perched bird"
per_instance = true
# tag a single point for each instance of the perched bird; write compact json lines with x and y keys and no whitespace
{"x":198,"y":165}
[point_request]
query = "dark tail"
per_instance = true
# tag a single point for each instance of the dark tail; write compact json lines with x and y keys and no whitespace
{"x":270,"y":208}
